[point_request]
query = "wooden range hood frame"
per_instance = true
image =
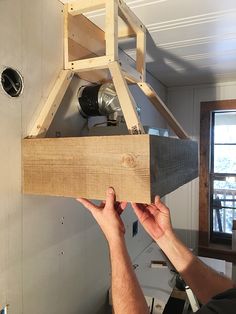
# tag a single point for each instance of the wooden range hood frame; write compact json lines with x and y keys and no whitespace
{"x":85,"y":166}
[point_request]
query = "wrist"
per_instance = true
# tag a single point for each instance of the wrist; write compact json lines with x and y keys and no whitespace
{"x":168,"y":237}
{"x":116,"y":241}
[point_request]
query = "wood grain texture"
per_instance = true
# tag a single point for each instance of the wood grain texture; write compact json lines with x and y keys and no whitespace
{"x":129,"y":17}
{"x":174,"y":162}
{"x":49,"y":109}
{"x":111,"y":29}
{"x":86,"y":34}
{"x":141,"y":54}
{"x":78,"y":7}
{"x":204,"y":184}
{"x":138,"y":167}
{"x":86,"y":167}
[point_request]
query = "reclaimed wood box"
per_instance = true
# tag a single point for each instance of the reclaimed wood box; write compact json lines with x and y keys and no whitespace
{"x":137,"y":166}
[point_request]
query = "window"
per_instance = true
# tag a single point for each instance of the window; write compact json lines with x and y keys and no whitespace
{"x":222,"y":175}
{"x":217,"y":187}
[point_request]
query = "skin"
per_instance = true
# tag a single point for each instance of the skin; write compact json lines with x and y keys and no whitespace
{"x":155,"y":218}
{"x":127,"y":296}
{"x":204,"y":281}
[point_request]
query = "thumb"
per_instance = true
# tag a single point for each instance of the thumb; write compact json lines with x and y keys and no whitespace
{"x":111,"y":198}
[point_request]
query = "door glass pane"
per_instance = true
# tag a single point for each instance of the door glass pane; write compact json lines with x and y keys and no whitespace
{"x":224,"y":142}
{"x":225,"y":158}
{"x":224,"y":204}
{"x":225,"y":127}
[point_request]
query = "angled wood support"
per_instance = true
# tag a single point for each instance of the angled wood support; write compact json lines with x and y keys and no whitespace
{"x":50,"y":107}
{"x":130,"y":18}
{"x":163,"y":110}
{"x":127,"y":102}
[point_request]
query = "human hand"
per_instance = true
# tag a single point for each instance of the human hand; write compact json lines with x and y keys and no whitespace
{"x":155,"y":218}
{"x":107,"y":215}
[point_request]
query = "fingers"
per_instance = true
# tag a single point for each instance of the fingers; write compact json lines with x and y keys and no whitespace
{"x":120,"y":207}
{"x":161,"y":206}
{"x":152,"y":209}
{"x":123,"y":205}
{"x":110,"y":198}
{"x":138,"y":209}
{"x":89,"y":205}
{"x":102,"y":204}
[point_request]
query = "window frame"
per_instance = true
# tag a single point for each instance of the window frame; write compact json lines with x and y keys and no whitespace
{"x":216,"y":237}
{"x":207,"y":245}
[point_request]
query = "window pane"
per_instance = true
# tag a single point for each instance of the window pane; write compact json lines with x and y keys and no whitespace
{"x":224,"y":204}
{"x":225,"y":127}
{"x":225,"y":158}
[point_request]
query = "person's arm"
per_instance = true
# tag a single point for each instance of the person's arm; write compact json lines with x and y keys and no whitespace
{"x":127,"y":295}
{"x":204,"y":281}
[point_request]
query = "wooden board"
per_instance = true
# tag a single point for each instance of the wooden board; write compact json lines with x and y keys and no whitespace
{"x":86,"y":166}
{"x":52,"y":104}
{"x":126,"y":99}
{"x":163,"y":110}
{"x":80,"y":29}
{"x":174,"y":162}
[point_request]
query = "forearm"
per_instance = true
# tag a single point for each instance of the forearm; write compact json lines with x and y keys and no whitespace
{"x":127,"y":295}
{"x":204,"y":281}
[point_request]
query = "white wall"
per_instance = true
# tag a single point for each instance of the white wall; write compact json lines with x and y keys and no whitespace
{"x":53,"y":257}
{"x":184,"y":102}
{"x":10,"y":176}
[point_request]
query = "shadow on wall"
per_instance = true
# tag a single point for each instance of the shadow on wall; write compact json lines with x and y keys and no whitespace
{"x":169,"y":69}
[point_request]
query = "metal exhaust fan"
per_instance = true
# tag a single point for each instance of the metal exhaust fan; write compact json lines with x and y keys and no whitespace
{"x":100,"y":100}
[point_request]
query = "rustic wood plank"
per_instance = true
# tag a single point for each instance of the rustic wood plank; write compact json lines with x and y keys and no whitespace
{"x":138,"y":167}
{"x":50,"y":107}
{"x":163,"y":110}
{"x":174,"y":162}
{"x":85,"y":167}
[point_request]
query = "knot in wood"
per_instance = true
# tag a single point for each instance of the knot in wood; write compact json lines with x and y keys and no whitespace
{"x":129,"y":160}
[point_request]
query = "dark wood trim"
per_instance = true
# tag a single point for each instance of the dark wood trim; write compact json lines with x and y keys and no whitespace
{"x":223,"y":252}
{"x":234,"y":224}
{"x":205,"y":246}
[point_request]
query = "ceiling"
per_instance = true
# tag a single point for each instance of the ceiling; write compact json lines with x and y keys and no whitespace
{"x":190,"y":42}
